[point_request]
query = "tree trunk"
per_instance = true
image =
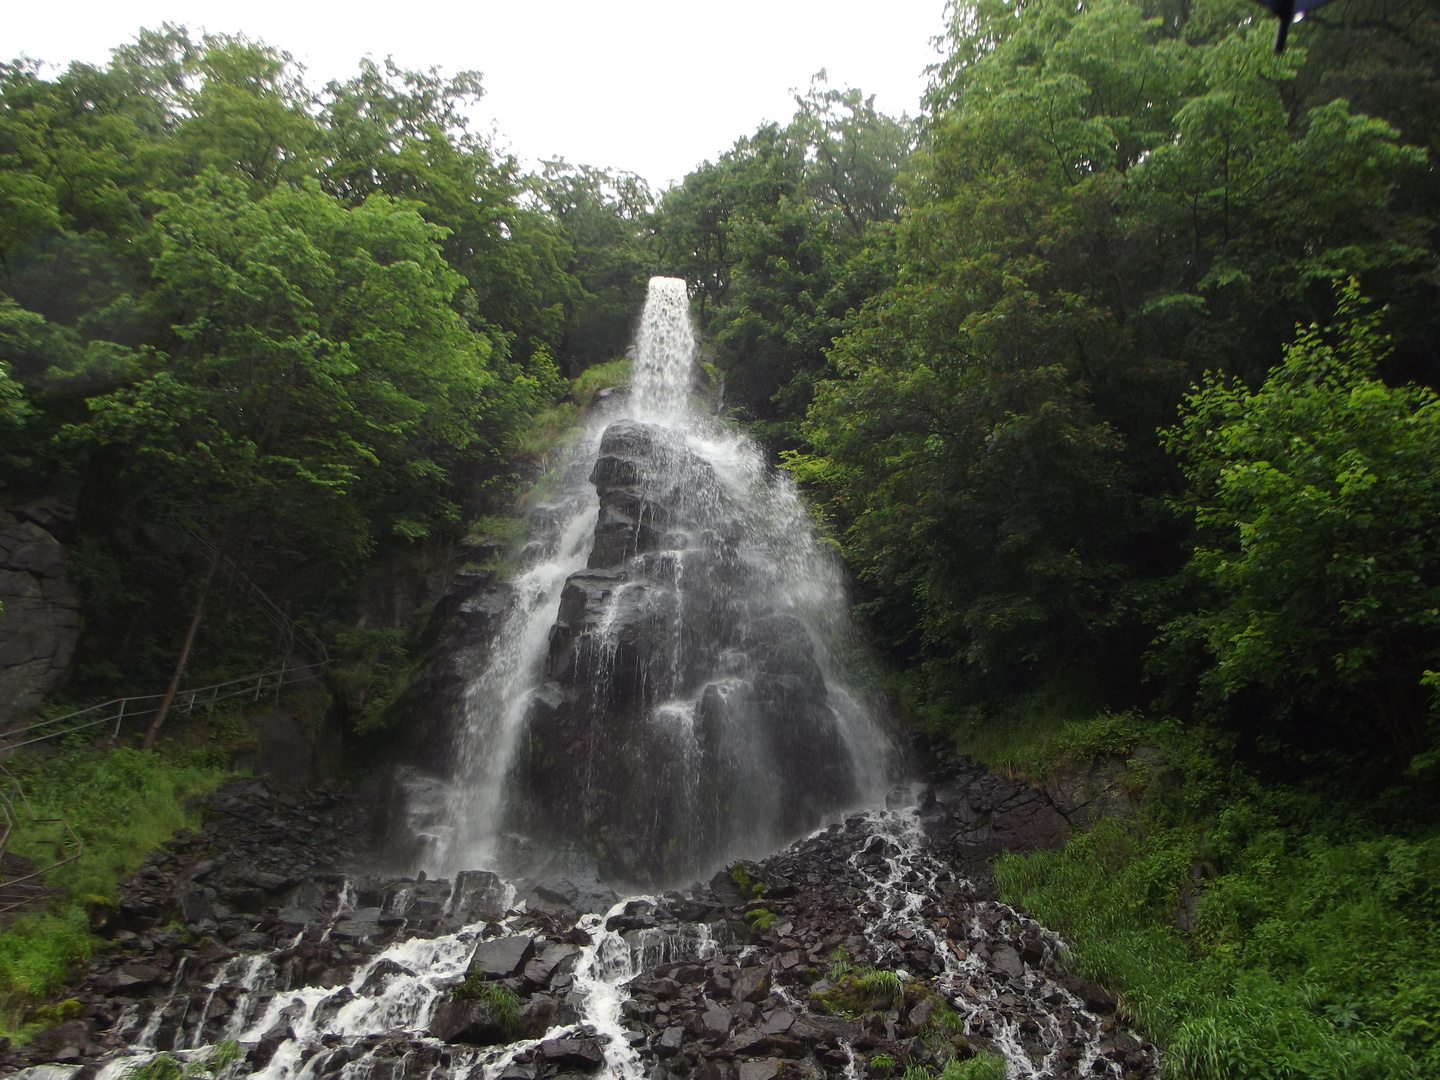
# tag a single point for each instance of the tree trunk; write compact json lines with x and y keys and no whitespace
{"x":174,"y":686}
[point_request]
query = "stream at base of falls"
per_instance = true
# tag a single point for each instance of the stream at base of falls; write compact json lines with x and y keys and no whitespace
{"x":730,"y":980}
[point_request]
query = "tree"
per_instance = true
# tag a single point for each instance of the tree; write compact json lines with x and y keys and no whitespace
{"x":403,"y":134}
{"x":783,"y":239}
{"x":298,"y":325}
{"x":1315,"y":500}
{"x":321,"y":396}
{"x":1109,"y":198}
{"x":606,"y":217}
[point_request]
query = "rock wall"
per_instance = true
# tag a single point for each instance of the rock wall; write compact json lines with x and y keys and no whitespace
{"x":41,"y":622}
{"x":685,"y":713}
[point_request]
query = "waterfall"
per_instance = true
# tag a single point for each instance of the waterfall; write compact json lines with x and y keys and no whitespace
{"x":675,"y":682}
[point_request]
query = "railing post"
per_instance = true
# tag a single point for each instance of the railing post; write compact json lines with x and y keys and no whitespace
{"x":115,"y":735}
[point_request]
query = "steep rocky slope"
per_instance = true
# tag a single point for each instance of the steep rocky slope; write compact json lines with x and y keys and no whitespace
{"x":875,"y":939}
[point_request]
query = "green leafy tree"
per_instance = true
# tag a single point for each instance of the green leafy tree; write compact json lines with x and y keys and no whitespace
{"x":1109,"y":199}
{"x":403,"y":134}
{"x":320,"y":381}
{"x":606,"y":216}
{"x":783,"y":239}
{"x":1315,"y":500}
{"x":321,"y":397}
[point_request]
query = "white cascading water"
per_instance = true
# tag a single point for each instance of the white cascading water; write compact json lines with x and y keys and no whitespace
{"x":692,"y":680}
{"x":708,"y":476}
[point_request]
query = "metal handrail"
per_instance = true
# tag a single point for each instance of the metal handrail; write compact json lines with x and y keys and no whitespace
{"x":121,"y":709}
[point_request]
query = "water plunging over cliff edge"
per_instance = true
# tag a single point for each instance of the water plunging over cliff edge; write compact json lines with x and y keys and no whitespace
{"x":667,"y":688}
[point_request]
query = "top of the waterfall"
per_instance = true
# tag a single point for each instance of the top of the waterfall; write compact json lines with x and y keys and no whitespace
{"x":664,"y":352}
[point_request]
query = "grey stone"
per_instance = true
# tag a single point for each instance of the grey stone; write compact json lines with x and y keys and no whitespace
{"x":537,"y":1016}
{"x":715,"y":1022}
{"x":899,"y":797}
{"x":41,"y":624}
{"x":475,"y":1023}
{"x":753,"y":984}
{"x":502,"y":957}
{"x":1089,"y":791}
{"x":555,"y":958}
{"x":670,"y":1041}
{"x":479,"y":894}
{"x":1007,"y":961}
{"x":47,"y":1072}
{"x":584,"y":1054}
{"x":781,"y":1020}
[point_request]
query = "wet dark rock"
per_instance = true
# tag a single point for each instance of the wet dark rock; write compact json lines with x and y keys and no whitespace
{"x":41,"y":626}
{"x":749,"y":1003}
{"x":130,"y":979}
{"x":752,"y":985}
{"x":502,"y":957}
{"x":1094,"y":997}
{"x":670,"y":1041}
{"x":899,"y":797}
{"x":1007,"y":961}
{"x":715,"y":1022}
{"x":555,"y":958}
{"x":380,"y":975}
{"x":768,"y":1069}
{"x":331,"y":1006}
{"x":261,"y":1053}
{"x":64,"y":1043}
{"x":990,"y":814}
{"x":477,"y":1023}
{"x":585,"y":1054}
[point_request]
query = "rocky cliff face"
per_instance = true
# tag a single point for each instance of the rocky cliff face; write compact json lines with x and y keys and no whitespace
{"x":684,"y":710}
{"x":41,"y":622}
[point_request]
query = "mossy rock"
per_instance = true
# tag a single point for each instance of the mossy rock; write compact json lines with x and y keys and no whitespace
{"x":858,"y":992}
{"x":759,"y":920}
{"x":750,"y":886}
{"x":57,"y":1012}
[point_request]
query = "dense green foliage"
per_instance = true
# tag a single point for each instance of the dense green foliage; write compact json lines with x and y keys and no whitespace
{"x":262,"y":336}
{"x":1311,"y":951}
{"x":1316,"y":500}
{"x":781,"y":239}
{"x":1110,"y":201}
{"x":122,"y":804}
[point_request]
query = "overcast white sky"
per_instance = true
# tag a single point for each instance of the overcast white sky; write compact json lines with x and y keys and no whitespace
{"x":641,"y":85}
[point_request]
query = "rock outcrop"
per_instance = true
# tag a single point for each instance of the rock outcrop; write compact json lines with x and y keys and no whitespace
{"x":685,"y":711}
{"x":41,"y":622}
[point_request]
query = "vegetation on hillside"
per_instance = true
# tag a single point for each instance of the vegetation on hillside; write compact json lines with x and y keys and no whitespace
{"x":122,"y":803}
{"x":264,"y":336}
{"x":1112,"y":375}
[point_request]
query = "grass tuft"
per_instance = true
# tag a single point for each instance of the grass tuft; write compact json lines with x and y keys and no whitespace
{"x":123,"y":804}
{"x":980,"y":1067}
{"x":594,"y":379}
{"x":504,"y":1003}
{"x":1311,"y":944}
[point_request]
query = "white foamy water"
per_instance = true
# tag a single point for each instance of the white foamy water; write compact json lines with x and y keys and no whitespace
{"x":718,"y":481}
